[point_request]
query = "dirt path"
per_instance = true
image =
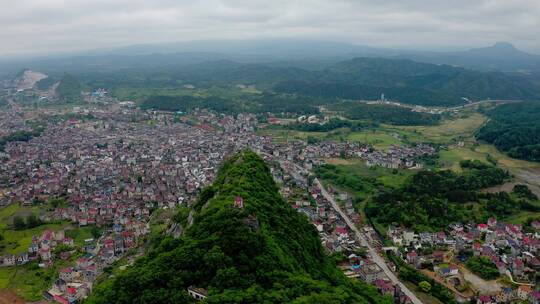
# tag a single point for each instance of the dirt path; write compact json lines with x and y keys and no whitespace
{"x":465,"y":295}
{"x":479,"y":284}
{"x":9,"y":297}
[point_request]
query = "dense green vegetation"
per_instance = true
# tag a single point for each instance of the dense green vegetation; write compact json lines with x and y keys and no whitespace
{"x":522,"y":191}
{"x":185,"y":103}
{"x":273,"y":103}
{"x":407,"y":81}
{"x":69,"y":89}
{"x":332,"y":124}
{"x":263,"y":253}
{"x":385,"y":114}
{"x":514,"y":128}
{"x":19,"y":136}
{"x":431,"y":200}
{"x":344,"y":178}
{"x":30,"y":222}
{"x":45,"y":83}
{"x":483,"y":266}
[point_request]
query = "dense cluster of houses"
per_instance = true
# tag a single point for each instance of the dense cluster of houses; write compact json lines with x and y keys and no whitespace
{"x":399,"y":156}
{"x":11,"y":122}
{"x":108,"y":160}
{"x":513,"y":251}
{"x":128,"y":226}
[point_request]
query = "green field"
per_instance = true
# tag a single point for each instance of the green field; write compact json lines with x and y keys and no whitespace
{"x":387,"y":177}
{"x":450,"y":130}
{"x":450,"y":158}
{"x":17,"y":241}
{"x":79,"y":234}
{"x":8,"y":212}
{"x":29,"y":281}
{"x":379,"y":139}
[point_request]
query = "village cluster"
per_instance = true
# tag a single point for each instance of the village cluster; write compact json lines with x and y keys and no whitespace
{"x":508,"y":246}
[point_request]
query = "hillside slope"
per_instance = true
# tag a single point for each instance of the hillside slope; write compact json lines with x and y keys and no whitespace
{"x":265,"y":252}
{"x":409,"y":82}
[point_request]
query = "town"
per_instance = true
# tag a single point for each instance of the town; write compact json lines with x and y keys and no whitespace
{"x":114,"y":164}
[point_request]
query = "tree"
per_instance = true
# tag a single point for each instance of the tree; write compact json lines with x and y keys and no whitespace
{"x":18,"y":223}
{"x":425,"y":286}
{"x":32,"y":221}
{"x":95,"y":231}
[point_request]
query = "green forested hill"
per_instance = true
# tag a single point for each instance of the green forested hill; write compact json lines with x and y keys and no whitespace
{"x":409,"y":82}
{"x":265,"y":252}
{"x":69,"y":89}
{"x":360,"y":78}
{"x":514,"y":128}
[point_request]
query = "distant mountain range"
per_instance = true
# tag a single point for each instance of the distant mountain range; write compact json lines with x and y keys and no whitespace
{"x":313,"y":69}
{"x":360,"y":78}
{"x":501,"y":56}
{"x":308,"y":54}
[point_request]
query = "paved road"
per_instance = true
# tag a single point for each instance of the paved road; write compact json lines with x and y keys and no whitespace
{"x":373,"y":253}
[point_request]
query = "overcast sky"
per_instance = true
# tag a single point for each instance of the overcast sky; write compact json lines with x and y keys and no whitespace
{"x":41,"y":26}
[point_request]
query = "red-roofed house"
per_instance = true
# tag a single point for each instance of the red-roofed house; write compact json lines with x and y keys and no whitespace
{"x":482,"y":227}
{"x":411,"y":257}
{"x":384,"y":287}
{"x":485,"y":300}
{"x":342,"y":231}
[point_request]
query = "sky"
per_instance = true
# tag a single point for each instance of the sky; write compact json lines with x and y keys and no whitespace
{"x":51,"y":26}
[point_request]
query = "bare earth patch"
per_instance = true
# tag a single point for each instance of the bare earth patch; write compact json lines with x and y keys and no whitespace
{"x":479,"y":284}
{"x":9,"y":297}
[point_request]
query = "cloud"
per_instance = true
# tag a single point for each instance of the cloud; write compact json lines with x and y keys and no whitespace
{"x":40,"y":26}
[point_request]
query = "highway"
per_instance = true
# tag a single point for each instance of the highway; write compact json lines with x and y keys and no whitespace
{"x":377,"y":259}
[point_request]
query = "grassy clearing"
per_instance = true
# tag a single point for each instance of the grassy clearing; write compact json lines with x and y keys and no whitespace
{"x":379,"y":139}
{"x":505,"y":160}
{"x":18,"y":241}
{"x":29,"y":281}
{"x":449,"y":130}
{"x":80,"y":234}
{"x":387,"y":177}
{"x":450,"y":159}
{"x":8,"y":212}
